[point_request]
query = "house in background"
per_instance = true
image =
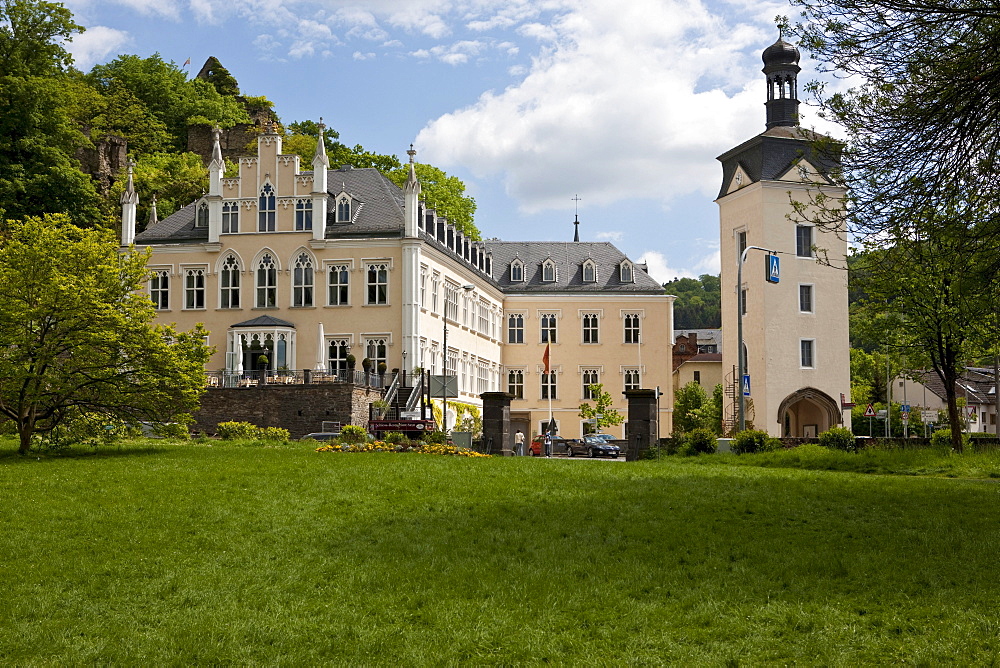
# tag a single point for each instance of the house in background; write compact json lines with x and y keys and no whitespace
{"x":977,"y":385}
{"x":295,"y":273}
{"x":697,"y":357}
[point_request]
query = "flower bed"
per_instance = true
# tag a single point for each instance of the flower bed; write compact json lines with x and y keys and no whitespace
{"x":418,"y":447}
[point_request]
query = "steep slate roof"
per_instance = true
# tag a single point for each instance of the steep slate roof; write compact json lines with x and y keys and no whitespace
{"x":569,"y":257}
{"x":377,"y":203}
{"x":178,"y":227}
{"x":773,"y":152}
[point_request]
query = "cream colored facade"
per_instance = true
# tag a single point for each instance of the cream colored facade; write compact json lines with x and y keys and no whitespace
{"x":795,"y":331}
{"x":708,"y":374}
{"x":294,"y":270}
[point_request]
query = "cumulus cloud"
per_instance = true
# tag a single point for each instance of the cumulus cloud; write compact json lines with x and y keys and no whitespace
{"x":660,"y":270}
{"x":624,"y":100}
{"x":92,"y":46}
{"x":609,"y":236}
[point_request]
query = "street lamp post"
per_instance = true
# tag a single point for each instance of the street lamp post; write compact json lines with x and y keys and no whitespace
{"x":741,"y":363}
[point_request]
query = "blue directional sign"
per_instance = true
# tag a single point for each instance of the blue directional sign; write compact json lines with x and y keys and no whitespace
{"x":773,"y":269}
{"x":746,"y":385}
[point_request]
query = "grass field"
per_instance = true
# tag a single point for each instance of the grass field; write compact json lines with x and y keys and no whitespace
{"x":192,"y":554}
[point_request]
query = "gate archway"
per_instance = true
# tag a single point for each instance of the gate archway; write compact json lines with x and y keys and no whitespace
{"x":808,"y":412}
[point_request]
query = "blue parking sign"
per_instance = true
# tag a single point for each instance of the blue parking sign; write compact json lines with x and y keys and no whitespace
{"x":773,"y":269}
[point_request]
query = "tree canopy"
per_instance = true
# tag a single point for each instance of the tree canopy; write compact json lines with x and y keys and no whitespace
{"x":76,"y":333}
{"x":601,"y":410}
{"x":699,"y":302}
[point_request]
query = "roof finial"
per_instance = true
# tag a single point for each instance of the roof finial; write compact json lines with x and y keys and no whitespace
{"x":411,"y":153}
{"x":576,"y":218}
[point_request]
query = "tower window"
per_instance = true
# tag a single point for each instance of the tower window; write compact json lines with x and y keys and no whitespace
{"x":806,"y":298}
{"x":807,"y":353}
{"x":265,"y":209}
{"x":803,"y":240}
{"x":303,"y":215}
{"x":231,"y":217}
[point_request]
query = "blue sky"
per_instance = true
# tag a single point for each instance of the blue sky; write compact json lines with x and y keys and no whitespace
{"x":531,"y":102}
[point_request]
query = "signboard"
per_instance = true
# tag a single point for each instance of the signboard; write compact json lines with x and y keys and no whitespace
{"x":905,"y":416}
{"x":881,"y":414}
{"x":928,"y":416}
{"x":905,"y":408}
{"x":844,"y":403}
{"x":870,"y":411}
{"x":409,"y":415}
{"x":444,"y":386}
{"x":746,"y":385}
{"x":773,"y":269}
{"x":380,"y":426}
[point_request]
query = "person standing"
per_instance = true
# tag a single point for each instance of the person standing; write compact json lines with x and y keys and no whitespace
{"x":519,"y":444}
{"x":548,"y":444}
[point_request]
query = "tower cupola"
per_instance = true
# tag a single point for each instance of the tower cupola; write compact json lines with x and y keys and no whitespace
{"x":781,"y":66}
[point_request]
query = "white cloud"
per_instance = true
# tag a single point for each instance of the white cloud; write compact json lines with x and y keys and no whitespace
{"x":624,"y":100}
{"x":93,"y":45}
{"x":609,"y":236}
{"x":659,"y":269}
{"x":363,"y":56}
{"x":710,"y":264}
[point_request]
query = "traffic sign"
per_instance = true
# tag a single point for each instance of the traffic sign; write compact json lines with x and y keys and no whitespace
{"x":905,"y":416}
{"x":773,"y":269}
{"x":928,"y":416}
{"x":905,"y":408}
{"x":746,"y":385}
{"x":870,"y":411}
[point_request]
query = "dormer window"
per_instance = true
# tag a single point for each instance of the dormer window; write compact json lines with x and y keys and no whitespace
{"x":516,"y":272}
{"x":344,"y":209}
{"x":627,"y":273}
{"x":201,"y":219}
{"x":549,"y":271}
{"x":589,"y":271}
{"x":265,"y":209}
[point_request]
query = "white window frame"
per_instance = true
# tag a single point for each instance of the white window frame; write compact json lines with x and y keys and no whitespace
{"x":515,"y":323}
{"x":231,"y":270}
{"x":548,"y":327}
{"x":517,"y":272}
{"x":266,"y":208}
{"x":808,"y":251}
{"x":303,"y":280}
{"x":810,"y":345}
{"x":381,"y":297}
{"x":593,"y":331}
{"x":159,"y":288}
{"x":343,"y":289}
{"x":198,"y":290}
{"x":267,"y":291}
{"x":586,"y":374}
{"x":812,"y":298}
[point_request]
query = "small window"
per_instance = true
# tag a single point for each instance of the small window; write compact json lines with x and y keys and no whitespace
{"x":231,"y":217}
{"x":697,"y":377}
{"x":344,"y":210}
{"x":194,"y":289}
{"x":303,"y":215}
{"x":378,"y":284}
{"x":515,"y":328}
{"x":590,"y":377}
{"x":743,"y":300}
{"x":265,"y":209}
{"x":741,"y":244}
{"x":159,"y":289}
{"x":627,"y":273}
{"x":632,"y":380}
{"x":803,"y":240}
{"x":590,"y":330}
{"x":338,"y":284}
{"x":548,"y":323}
{"x":201,"y":220}
{"x":515,"y":383}
{"x":549,"y":385}
{"x":589,"y":272}
{"x":806,"y":298}
{"x":549,"y":271}
{"x":516,"y":272}
{"x":631,"y":328}
{"x":807,"y":353}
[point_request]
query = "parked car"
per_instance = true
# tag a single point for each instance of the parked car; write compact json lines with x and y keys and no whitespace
{"x":607,"y":437}
{"x":594,"y":446}
{"x":559,"y":446}
{"x":323,"y":435}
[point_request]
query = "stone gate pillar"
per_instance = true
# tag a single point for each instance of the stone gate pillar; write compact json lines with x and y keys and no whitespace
{"x":641,"y":429}
{"x":496,"y":423}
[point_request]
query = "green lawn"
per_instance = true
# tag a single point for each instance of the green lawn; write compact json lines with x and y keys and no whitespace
{"x":191,"y":554}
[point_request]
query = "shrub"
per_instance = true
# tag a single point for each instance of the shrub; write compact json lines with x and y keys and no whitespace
{"x":941,"y":440}
{"x":352,"y":433}
{"x":837,"y":438}
{"x":436,"y":437}
{"x":232,"y":431}
{"x":177,"y":430}
{"x":395,"y":437}
{"x":699,"y":441}
{"x":273,"y":434}
{"x":753,"y":440}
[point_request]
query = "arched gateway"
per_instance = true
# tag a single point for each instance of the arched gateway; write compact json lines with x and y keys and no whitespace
{"x":807,"y":413}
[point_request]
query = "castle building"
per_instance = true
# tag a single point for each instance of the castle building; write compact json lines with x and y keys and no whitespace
{"x":298,"y":274}
{"x":796,"y":347}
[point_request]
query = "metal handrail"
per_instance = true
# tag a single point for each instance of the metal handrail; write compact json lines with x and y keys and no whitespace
{"x":415,"y":394}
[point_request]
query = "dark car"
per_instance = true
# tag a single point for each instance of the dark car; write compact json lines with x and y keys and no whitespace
{"x":594,"y":446}
{"x":607,"y":437}
{"x":560,"y":446}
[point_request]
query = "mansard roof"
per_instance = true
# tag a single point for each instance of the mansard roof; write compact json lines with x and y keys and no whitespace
{"x":376,"y":203}
{"x":772,"y":153}
{"x":569,"y":257}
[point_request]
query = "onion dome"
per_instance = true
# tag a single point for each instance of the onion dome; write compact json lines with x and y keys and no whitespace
{"x":781,"y":53}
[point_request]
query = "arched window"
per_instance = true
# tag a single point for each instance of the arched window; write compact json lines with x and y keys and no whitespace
{"x":344,"y":210}
{"x":267,"y":283}
{"x":516,"y":272}
{"x":549,"y":271}
{"x":589,"y":271}
{"x":229,"y":283}
{"x":627,"y":275}
{"x":265,"y":209}
{"x":302,"y":281}
{"x":201,"y":220}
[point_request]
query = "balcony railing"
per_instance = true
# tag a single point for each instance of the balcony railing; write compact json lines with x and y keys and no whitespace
{"x":264,"y":378}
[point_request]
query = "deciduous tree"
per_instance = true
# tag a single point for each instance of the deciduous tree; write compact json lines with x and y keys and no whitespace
{"x":76,"y":335}
{"x":601,"y":410}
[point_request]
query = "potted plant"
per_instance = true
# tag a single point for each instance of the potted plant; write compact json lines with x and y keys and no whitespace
{"x":381,"y":368}
{"x":366,"y":364}
{"x":263,"y":361}
{"x":351,"y":362}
